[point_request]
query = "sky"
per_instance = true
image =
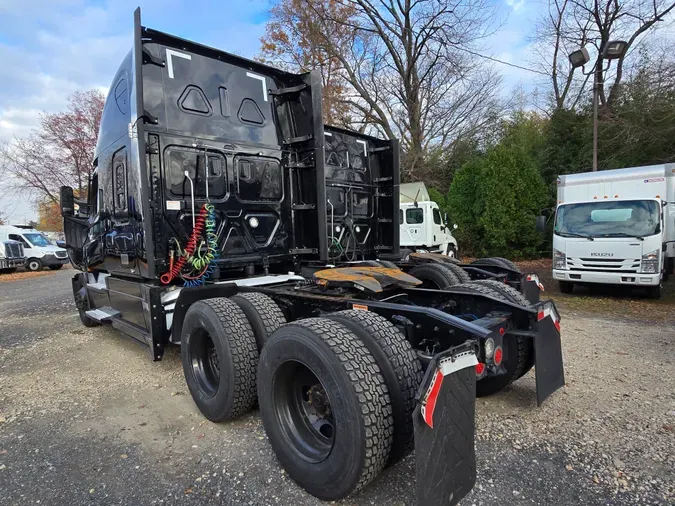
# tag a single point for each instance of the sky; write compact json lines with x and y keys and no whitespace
{"x":52,"y":48}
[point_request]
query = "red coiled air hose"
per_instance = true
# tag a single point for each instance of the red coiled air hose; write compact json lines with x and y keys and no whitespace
{"x":200,"y":221}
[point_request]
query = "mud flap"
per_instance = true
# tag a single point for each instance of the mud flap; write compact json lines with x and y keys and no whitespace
{"x":548,"y":363}
{"x":532,"y":287}
{"x":445,"y":460}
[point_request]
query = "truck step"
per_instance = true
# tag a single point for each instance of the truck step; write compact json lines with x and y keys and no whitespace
{"x":102,"y":314}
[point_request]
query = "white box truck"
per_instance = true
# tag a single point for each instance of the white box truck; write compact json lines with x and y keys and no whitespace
{"x":615,"y":227}
{"x":422,"y":226}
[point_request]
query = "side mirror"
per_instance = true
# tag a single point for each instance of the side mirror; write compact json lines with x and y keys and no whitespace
{"x":445,"y":217}
{"x":67,"y":201}
{"x":541,"y":224}
{"x":455,"y":227}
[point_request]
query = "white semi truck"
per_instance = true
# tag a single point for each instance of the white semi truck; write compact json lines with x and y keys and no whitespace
{"x":422,"y":226}
{"x":615,"y":227}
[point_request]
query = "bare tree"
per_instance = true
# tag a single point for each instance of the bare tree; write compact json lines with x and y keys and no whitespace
{"x":406,"y":73}
{"x":571,"y":24}
{"x":59,"y":153}
{"x":291,"y":41}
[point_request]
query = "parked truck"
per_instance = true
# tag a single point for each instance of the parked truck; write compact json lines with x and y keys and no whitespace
{"x":423,"y":228}
{"x":223,"y":216}
{"x":12,"y":256}
{"x":40,"y":252}
{"x":615,"y":227}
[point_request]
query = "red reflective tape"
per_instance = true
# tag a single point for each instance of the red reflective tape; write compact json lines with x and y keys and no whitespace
{"x":432,"y":398}
{"x":540,"y":316}
{"x":557,"y":325}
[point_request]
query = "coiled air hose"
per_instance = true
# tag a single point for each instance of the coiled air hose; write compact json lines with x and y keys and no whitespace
{"x":175,"y":270}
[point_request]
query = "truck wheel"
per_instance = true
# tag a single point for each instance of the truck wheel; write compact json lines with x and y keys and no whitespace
{"x":262,"y":313}
{"x":388,"y":264}
{"x":461,"y":274}
{"x":654,"y":292}
{"x":220,"y":358}
{"x":325,"y":407}
{"x":400,"y":367}
{"x":566,"y":286}
{"x":405,"y":253}
{"x":436,"y":276}
{"x":508,"y":263}
{"x":33,"y":264}
{"x":496,"y":262}
{"x":451,"y":251}
{"x":55,"y":267}
{"x":515,"y":297}
{"x":515,"y":352}
{"x":82,"y":303}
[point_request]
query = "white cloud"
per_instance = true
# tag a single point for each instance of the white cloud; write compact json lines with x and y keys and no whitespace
{"x":516,"y":5}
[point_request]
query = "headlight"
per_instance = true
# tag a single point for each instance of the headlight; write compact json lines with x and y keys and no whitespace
{"x":650,"y":262}
{"x":559,"y":260}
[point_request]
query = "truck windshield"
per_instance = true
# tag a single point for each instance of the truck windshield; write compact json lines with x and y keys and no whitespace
{"x":629,"y":218}
{"x":37,"y":239}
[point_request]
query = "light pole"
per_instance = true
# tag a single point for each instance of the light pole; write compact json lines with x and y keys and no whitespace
{"x":579,"y":58}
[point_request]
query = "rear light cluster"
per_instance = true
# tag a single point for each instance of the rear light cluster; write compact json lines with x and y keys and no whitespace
{"x":493,"y":353}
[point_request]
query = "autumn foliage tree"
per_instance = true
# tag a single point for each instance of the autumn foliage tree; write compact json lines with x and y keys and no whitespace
{"x":49,"y":216}
{"x":57,"y":153}
{"x":292,"y":40}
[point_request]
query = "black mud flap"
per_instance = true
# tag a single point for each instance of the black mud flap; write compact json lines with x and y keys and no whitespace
{"x":548,"y":362}
{"x":532,"y":287}
{"x":445,"y":460}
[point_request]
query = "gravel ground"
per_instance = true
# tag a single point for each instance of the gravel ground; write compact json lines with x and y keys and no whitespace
{"x":87,"y":418}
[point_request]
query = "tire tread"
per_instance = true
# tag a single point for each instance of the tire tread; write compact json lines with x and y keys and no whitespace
{"x":369,"y":386}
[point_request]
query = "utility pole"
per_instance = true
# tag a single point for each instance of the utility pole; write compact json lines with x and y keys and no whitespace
{"x":596,"y":99}
{"x":612,"y":50}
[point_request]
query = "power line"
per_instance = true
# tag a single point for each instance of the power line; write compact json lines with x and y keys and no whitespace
{"x":503,"y":62}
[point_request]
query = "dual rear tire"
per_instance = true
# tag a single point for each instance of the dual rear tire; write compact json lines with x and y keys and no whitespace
{"x":336,"y":394}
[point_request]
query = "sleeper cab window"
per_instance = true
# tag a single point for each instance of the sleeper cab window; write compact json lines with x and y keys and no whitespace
{"x":181,"y":160}
{"x":259,"y":179}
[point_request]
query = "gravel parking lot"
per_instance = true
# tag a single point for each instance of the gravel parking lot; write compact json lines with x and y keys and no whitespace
{"x":87,"y":418}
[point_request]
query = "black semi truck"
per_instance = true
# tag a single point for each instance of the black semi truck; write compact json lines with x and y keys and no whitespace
{"x":224,"y":217}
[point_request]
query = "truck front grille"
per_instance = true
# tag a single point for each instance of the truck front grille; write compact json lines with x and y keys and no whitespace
{"x":13,"y":250}
{"x":628,"y":265}
{"x":61,"y":254}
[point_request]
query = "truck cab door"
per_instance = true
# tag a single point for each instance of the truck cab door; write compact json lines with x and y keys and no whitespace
{"x":412,"y":234}
{"x":75,"y":228}
{"x":437,"y":227}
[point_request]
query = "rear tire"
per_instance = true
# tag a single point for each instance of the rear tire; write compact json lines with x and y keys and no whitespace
{"x":325,"y":407}
{"x":405,"y":253}
{"x":34,"y":264}
{"x":461,"y":274}
{"x":400,"y":367}
{"x":55,"y":267}
{"x":434,"y":276}
{"x":566,"y":286}
{"x":262,"y":313}
{"x":220,"y":358}
{"x":388,"y":264}
{"x":508,"y":264}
